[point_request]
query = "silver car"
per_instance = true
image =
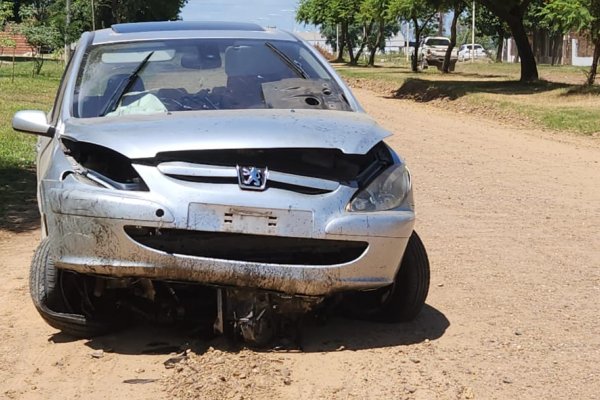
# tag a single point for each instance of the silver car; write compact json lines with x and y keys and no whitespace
{"x":217,"y":171}
{"x":472,"y":51}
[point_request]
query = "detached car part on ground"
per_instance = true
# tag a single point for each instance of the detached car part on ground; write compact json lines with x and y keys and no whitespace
{"x":219,"y":172}
{"x":433,"y":52}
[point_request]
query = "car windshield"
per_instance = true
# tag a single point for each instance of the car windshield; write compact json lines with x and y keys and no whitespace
{"x":202,"y":74}
{"x":437,"y":42}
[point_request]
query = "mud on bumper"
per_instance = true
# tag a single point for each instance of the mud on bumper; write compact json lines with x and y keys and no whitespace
{"x":292,"y":265}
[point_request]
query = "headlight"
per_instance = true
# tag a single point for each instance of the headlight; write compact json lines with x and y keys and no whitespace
{"x":386,"y":192}
{"x":103,"y":166}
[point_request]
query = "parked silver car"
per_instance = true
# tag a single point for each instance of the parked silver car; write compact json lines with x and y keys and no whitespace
{"x":472,"y":51}
{"x":219,"y":171}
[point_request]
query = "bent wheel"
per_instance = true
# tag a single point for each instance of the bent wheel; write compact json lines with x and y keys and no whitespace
{"x":404,"y":299}
{"x":50,"y":289}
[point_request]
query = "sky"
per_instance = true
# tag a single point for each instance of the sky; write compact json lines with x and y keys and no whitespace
{"x":279,"y":13}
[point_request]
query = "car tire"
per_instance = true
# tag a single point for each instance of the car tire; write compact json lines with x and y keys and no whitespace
{"x":404,"y":299}
{"x":47,"y":291}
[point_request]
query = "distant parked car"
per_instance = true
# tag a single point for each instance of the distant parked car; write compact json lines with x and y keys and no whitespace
{"x":464,"y":52}
{"x":433,"y":52}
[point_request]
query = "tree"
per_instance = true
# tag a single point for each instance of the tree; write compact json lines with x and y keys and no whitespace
{"x":6,"y":12}
{"x":594,"y":8}
{"x":39,"y":34}
{"x":331,"y":14}
{"x":378,"y":25}
{"x":512,"y":12}
{"x":119,"y":11}
{"x":562,"y":16}
{"x":80,"y":18}
{"x":420,"y":13}
{"x":457,"y":6}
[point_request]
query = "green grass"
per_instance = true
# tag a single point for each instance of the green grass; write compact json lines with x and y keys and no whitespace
{"x":557,"y":102}
{"x":17,"y":150}
{"x":582,"y":121}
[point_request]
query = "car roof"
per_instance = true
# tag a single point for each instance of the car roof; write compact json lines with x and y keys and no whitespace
{"x":142,"y":31}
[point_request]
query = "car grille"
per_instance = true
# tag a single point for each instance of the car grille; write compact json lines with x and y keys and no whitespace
{"x":304,"y":170}
{"x":248,"y":248}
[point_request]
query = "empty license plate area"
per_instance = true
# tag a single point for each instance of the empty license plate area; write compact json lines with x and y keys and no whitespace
{"x":258,"y":221}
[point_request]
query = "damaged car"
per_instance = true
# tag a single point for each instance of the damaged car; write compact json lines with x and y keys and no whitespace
{"x":221,"y":172}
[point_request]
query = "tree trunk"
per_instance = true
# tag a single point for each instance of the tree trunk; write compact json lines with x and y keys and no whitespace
{"x":342,"y":43}
{"x":415,"y":58}
{"x":448,"y":57}
{"x":594,"y":69}
{"x":513,"y":16}
{"x":367,"y":30}
{"x":13,"y":66}
{"x":351,"y":51}
{"x":378,"y":39}
{"x":557,"y":49}
{"x":500,"y":48}
{"x":529,"y":72}
{"x":340,"y":49}
{"x":348,"y":41}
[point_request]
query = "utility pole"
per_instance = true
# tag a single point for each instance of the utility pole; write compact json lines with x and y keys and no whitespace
{"x":93,"y":16}
{"x":337,"y":40}
{"x":67,"y":24}
{"x":407,"y":41}
{"x":473,"y":36}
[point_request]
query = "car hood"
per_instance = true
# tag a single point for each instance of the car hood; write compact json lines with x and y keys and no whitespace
{"x":143,"y":136}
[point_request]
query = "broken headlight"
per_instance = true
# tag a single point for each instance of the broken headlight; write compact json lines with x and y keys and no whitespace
{"x":104,"y":167}
{"x":386,"y":192}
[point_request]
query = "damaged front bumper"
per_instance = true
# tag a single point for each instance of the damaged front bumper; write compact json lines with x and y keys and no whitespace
{"x":195,"y":236}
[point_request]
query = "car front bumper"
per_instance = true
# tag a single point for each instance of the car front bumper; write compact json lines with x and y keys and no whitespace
{"x":88,"y":230}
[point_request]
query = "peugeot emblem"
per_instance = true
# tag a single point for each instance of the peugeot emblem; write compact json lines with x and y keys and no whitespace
{"x":252,"y":178}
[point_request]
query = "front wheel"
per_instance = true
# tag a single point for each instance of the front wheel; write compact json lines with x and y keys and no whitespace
{"x":404,"y":299}
{"x":61,"y":298}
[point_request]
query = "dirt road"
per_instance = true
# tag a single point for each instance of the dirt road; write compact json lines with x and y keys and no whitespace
{"x":511,"y":220}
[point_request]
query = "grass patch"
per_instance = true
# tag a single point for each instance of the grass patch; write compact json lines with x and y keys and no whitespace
{"x":17,"y":150}
{"x":583,"y":121}
{"x":556,"y":102}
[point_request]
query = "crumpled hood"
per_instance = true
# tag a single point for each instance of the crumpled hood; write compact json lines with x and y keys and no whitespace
{"x":143,"y":136}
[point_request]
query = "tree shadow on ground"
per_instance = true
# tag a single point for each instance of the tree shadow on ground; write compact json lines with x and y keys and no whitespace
{"x":145,"y":338}
{"x":422,"y":90}
{"x":583,"y":90}
{"x":18,"y":203}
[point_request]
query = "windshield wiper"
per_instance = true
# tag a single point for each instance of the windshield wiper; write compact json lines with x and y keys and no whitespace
{"x":294,"y":65}
{"x":124,"y":87}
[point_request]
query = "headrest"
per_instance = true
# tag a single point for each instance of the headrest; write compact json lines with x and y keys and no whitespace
{"x":208,"y":56}
{"x":252,"y":60}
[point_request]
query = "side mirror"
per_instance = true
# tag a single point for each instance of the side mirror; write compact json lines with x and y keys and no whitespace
{"x":32,"y":121}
